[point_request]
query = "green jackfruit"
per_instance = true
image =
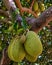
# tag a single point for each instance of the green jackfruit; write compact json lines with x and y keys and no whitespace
{"x":35,"y":6}
{"x":9,"y":51}
{"x":16,"y":51}
{"x":33,"y":45}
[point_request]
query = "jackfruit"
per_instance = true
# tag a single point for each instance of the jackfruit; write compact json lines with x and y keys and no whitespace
{"x":10,"y":49}
{"x":35,"y":6}
{"x":16,"y":51}
{"x":33,"y":45}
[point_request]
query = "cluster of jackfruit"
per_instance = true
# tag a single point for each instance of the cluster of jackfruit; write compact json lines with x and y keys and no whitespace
{"x":38,"y":7}
{"x":27,"y":46}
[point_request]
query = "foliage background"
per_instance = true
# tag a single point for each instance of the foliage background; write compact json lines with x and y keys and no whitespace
{"x":45,"y":35}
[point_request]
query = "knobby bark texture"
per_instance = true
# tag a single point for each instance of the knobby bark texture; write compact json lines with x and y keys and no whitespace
{"x":43,"y":20}
{"x":36,"y":25}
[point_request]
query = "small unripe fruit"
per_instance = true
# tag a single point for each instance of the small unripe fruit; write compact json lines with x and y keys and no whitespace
{"x":41,"y":6}
{"x":35,"y":6}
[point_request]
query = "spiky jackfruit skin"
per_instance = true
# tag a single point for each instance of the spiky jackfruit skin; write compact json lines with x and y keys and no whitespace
{"x":33,"y":45}
{"x":31,"y":58}
{"x":16,"y":51}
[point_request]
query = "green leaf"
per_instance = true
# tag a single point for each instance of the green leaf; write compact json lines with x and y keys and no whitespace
{"x":15,"y":26}
{"x":24,"y":23}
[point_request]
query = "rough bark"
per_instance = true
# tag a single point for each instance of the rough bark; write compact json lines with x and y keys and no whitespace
{"x":38,"y":23}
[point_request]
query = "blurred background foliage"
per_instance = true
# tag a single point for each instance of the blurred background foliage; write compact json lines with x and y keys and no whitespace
{"x":7,"y":31}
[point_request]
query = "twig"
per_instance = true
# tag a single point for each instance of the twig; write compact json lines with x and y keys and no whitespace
{"x":5,"y":60}
{"x":28,"y":11}
{"x":32,"y":4}
{"x":2,"y":12}
{"x":24,"y":9}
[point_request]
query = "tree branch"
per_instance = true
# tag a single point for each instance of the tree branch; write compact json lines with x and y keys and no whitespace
{"x":2,"y":12}
{"x":24,"y":9}
{"x":38,"y":23}
{"x":5,"y":60}
{"x":32,"y":4}
{"x":43,"y":20}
